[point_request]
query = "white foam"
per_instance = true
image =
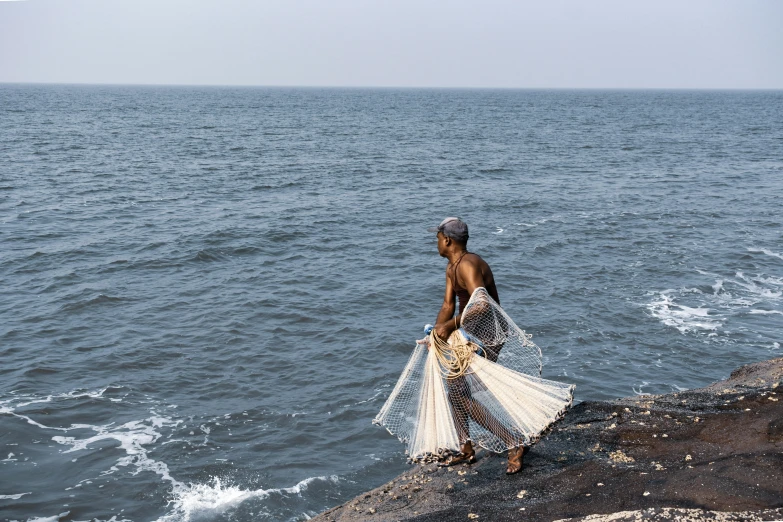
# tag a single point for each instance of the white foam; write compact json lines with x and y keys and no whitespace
{"x":75,"y":394}
{"x":207,"y":501}
{"x":750,"y":285}
{"x":766,"y":252}
{"x":49,"y":519}
{"x":536,"y":222}
{"x":132,"y":436}
{"x":204,"y":501}
{"x":639,"y":391}
{"x":189,"y":502}
{"x":692,"y":310}
{"x":377,"y":394}
{"x":684,"y":318}
{"x":14,"y":497}
{"x":30,"y":421}
{"x":769,"y":280}
{"x":9,"y":406}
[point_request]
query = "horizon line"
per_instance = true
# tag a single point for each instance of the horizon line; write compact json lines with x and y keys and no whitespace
{"x":402,"y":87}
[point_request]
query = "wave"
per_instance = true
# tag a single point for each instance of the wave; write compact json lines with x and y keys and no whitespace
{"x":207,"y":501}
{"x":750,"y":284}
{"x":709,"y":307}
{"x":11,"y":405}
{"x":55,"y":518}
{"x":131,"y":445}
{"x":209,"y":255}
{"x":684,"y":318}
{"x":283,"y":185}
{"x":765,"y":251}
{"x":14,"y":497}
{"x":132,"y":436}
{"x":100,"y":299}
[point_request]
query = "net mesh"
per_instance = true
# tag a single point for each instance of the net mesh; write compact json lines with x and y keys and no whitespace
{"x":484,"y":384}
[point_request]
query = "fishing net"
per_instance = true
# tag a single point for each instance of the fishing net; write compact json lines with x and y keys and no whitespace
{"x":484,"y":384}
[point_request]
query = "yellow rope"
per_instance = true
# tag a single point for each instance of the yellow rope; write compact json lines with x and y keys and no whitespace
{"x":454,"y":358}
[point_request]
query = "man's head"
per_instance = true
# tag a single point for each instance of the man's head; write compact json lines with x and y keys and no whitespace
{"x":454,"y":228}
{"x":451,"y":230}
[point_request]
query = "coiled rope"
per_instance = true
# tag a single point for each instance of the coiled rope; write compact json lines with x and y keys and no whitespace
{"x":454,"y":357}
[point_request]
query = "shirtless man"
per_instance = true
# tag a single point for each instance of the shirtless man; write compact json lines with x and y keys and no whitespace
{"x":466,"y":272}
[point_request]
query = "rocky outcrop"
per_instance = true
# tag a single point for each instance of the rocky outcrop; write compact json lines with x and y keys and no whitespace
{"x":714,"y":453}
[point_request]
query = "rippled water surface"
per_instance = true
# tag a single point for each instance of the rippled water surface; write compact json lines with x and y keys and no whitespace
{"x":209,"y":292}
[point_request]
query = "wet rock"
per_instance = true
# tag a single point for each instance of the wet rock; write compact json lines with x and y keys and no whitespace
{"x":680,"y":515}
{"x":721,"y":459}
{"x":775,"y":430}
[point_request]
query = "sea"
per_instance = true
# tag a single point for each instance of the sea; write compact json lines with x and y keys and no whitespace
{"x":209,"y":292}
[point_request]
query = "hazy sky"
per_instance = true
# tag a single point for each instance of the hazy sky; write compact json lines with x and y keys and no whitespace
{"x":445,"y":43}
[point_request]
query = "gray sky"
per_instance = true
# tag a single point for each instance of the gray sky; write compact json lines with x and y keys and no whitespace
{"x":445,"y":43}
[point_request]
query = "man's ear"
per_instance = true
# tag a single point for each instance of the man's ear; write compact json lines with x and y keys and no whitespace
{"x":447,"y":240}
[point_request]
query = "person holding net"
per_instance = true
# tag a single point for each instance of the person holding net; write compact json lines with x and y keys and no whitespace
{"x":465,"y":273}
{"x":476,"y":378}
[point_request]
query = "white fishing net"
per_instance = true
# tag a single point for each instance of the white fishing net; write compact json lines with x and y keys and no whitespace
{"x":483,"y":385}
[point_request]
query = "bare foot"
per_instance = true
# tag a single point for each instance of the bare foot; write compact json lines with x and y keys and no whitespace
{"x":465,"y":456}
{"x":515,"y":460}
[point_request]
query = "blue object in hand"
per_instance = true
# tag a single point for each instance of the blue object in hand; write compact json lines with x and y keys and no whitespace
{"x":428,"y":328}
{"x":472,"y":339}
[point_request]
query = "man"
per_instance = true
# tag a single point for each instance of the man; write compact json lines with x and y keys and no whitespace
{"x":466,"y":272}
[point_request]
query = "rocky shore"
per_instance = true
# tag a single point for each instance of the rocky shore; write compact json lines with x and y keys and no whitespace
{"x":714,"y":453}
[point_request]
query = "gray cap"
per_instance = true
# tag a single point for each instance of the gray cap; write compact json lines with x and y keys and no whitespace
{"x":452,"y":227}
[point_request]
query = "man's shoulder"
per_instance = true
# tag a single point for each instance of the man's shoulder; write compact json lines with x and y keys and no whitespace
{"x":474,"y":261}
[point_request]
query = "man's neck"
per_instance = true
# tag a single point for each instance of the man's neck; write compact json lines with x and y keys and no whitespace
{"x":455,"y":255}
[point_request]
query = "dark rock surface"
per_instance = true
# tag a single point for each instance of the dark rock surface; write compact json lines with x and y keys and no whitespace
{"x":714,"y":453}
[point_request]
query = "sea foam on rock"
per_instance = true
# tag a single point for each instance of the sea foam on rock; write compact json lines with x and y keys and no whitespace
{"x":714,"y":453}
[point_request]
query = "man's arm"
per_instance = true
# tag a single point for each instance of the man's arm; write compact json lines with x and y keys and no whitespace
{"x":445,"y":316}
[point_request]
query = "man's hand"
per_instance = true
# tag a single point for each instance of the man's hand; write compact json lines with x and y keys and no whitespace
{"x":445,"y":329}
{"x":427,"y":330}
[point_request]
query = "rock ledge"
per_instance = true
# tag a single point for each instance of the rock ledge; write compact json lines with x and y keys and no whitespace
{"x":714,"y":453}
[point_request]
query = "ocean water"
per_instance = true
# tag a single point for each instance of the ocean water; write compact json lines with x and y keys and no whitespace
{"x":207,"y":293}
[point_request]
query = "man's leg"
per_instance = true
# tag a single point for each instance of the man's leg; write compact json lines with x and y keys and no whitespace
{"x":479,"y":413}
{"x":459,"y":396}
{"x":483,"y":416}
{"x":464,"y":407}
